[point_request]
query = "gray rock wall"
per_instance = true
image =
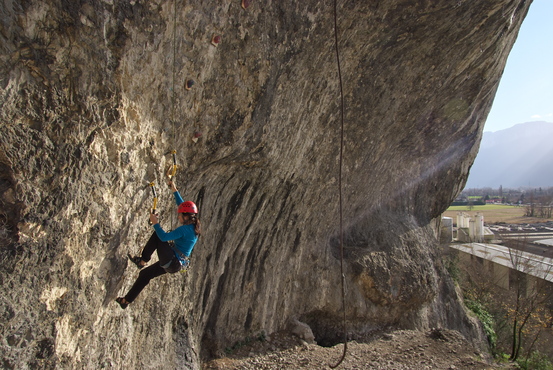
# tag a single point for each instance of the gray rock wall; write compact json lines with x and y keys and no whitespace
{"x":93,"y":101}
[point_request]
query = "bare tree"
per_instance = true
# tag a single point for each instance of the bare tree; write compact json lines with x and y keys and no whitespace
{"x":531,"y":207}
{"x":530,"y":295}
{"x":516,"y":295}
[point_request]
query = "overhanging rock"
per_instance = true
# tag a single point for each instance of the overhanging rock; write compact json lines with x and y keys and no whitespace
{"x":95,"y":95}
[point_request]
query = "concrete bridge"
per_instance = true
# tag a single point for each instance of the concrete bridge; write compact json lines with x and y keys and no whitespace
{"x":505,"y":263}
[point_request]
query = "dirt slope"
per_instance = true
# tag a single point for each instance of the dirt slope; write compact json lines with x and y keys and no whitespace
{"x":403,"y":349}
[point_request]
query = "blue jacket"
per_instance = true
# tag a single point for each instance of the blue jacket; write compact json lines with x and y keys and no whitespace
{"x":184,"y":236}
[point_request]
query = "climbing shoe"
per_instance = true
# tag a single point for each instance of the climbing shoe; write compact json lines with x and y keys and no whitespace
{"x":122,"y":302}
{"x":136,"y":260}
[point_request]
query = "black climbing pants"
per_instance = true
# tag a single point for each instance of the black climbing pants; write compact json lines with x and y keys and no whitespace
{"x":165,"y":255}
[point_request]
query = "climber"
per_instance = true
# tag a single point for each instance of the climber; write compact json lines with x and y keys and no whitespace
{"x":171,"y":258}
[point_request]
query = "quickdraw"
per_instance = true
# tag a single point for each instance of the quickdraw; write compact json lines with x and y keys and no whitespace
{"x":171,"y":173}
{"x":154,"y":193}
{"x":173,"y":170}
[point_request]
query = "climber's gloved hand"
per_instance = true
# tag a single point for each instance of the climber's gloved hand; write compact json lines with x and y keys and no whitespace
{"x":154,"y":218}
{"x":172,"y":185}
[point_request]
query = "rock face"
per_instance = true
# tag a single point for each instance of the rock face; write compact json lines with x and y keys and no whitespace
{"x":94,"y":99}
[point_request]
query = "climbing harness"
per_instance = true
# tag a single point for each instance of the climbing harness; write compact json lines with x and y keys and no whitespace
{"x":183,"y":260}
{"x":340,"y":188}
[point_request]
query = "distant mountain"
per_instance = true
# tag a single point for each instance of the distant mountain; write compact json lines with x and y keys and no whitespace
{"x":520,"y":156}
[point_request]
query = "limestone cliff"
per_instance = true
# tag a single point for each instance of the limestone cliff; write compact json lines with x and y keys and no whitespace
{"x":94,"y":98}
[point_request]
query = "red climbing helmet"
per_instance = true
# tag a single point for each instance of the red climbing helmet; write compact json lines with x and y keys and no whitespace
{"x":187,"y":207}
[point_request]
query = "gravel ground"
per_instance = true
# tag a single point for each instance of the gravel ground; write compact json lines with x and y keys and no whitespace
{"x":404,"y":349}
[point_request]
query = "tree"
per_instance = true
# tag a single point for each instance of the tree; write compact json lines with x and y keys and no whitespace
{"x":526,"y":310}
{"x":516,"y":296}
{"x":531,"y":207}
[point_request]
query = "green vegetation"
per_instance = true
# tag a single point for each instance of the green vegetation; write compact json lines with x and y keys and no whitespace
{"x":452,"y":266}
{"x":536,"y":361}
{"x":482,"y":207}
{"x":474,"y":197}
{"x":515,"y":320}
{"x":486,"y":318}
{"x":247,"y":341}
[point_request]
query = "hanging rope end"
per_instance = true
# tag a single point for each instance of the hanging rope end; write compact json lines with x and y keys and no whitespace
{"x":341,"y":358}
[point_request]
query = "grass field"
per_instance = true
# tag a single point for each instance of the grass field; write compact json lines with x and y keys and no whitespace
{"x":494,"y":213}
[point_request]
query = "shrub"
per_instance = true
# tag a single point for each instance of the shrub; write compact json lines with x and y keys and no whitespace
{"x":486,"y":318}
{"x":536,"y":361}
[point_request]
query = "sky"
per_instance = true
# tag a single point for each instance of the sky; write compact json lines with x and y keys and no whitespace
{"x":525,"y":93}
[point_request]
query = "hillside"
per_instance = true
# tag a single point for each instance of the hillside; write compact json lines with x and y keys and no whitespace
{"x":519,"y":156}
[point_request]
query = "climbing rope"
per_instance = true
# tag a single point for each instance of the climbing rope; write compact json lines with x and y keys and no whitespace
{"x":173,"y":73}
{"x":173,"y":170}
{"x":340,"y":187}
